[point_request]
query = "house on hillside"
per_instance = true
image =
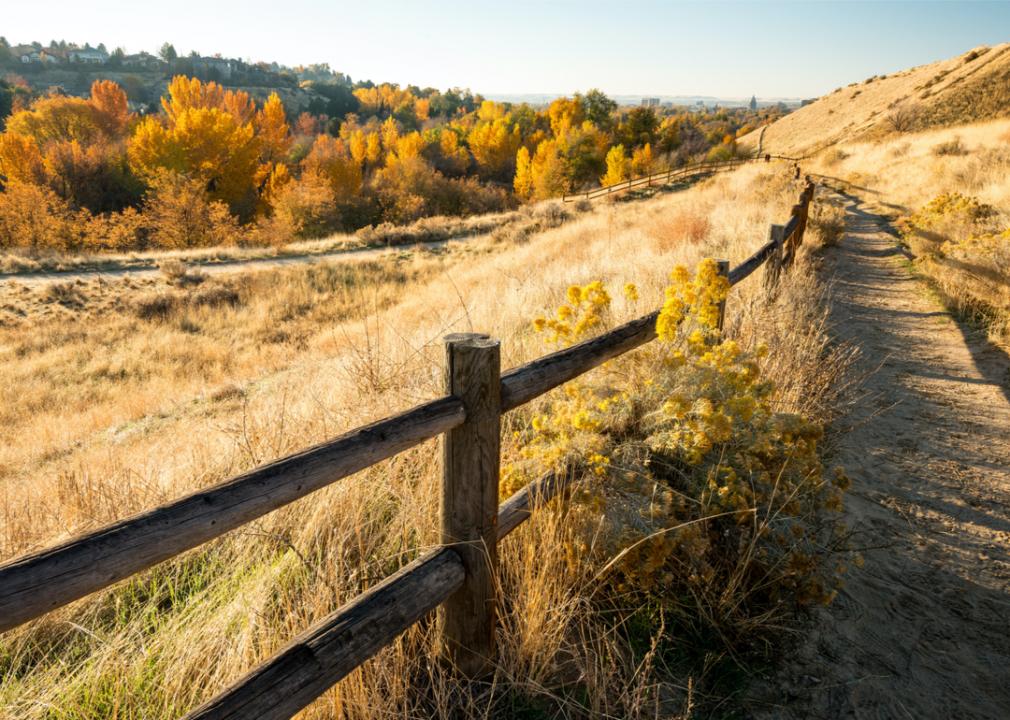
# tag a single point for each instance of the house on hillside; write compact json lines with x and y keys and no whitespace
{"x":88,"y":56}
{"x":143,"y":61}
{"x":213,"y":68}
{"x":30,"y":55}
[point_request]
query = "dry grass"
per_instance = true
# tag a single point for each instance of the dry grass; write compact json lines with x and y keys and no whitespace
{"x":124,"y":395}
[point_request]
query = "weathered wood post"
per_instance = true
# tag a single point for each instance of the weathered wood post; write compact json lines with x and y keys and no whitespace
{"x":805,"y":199}
{"x":723,"y":272}
{"x":774,"y":264}
{"x":791,"y":243}
{"x":470,"y":467}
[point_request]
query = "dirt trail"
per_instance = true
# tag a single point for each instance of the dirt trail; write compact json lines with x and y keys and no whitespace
{"x":216,"y":267}
{"x":923,"y":629}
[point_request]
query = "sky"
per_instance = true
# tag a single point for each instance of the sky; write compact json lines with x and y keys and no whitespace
{"x":623,"y":47}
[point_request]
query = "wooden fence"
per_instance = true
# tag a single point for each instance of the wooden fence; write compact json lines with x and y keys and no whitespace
{"x":668,"y":176}
{"x":458,"y":575}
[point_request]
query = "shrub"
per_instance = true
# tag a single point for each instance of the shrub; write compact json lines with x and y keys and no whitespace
{"x":307,"y":208}
{"x":903,"y":119}
{"x":828,"y":222}
{"x":115,"y":231}
{"x":834,"y":157}
{"x":179,"y":274}
{"x":179,"y":214}
{"x":35,"y":218}
{"x":951,"y":147}
{"x":696,"y":495}
{"x":950,"y":216}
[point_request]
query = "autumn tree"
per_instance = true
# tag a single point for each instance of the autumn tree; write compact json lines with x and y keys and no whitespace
{"x":494,"y":143}
{"x":564,"y":114}
{"x":207,"y":135}
{"x":273,"y":131}
{"x":618,"y":169}
{"x":522,"y":184}
{"x":642,"y":162}
{"x":20,"y":159}
{"x":112,"y":109}
{"x":330,"y":160}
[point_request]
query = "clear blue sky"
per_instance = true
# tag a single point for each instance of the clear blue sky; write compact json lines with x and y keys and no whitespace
{"x":517,"y":46}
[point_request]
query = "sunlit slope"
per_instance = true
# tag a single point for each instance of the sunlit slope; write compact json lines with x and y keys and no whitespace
{"x":970,"y":87}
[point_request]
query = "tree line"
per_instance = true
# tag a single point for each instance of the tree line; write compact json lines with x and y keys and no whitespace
{"x":213,"y":166}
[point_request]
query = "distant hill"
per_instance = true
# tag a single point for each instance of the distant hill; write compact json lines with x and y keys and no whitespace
{"x":709,"y":101}
{"x":968,"y":88}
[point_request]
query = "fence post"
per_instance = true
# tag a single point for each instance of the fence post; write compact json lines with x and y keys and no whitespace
{"x":774,"y":263}
{"x":793,"y":241}
{"x":723,"y":272}
{"x":469,"y":517}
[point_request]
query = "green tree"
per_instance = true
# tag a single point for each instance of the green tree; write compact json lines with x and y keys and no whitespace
{"x":599,"y":109}
{"x":168,"y":53}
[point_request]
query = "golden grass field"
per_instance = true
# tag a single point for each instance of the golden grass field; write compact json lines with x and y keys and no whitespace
{"x":119,"y":395}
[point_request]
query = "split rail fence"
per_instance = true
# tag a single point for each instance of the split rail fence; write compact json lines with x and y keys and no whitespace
{"x":668,"y":176}
{"x":457,"y":576}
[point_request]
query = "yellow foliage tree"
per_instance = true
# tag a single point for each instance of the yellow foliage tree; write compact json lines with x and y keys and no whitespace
{"x":617,"y":166}
{"x":523,"y":182}
{"x":204,"y":144}
{"x":357,"y":144}
{"x":330,"y":160}
{"x":494,"y":144}
{"x":390,"y":133}
{"x":373,"y":147}
{"x":564,"y":114}
{"x":549,"y":170}
{"x":455,"y":156}
{"x":405,"y":148}
{"x":34,"y":217}
{"x":641,"y":160}
{"x":190,"y":94}
{"x":20,"y":159}
{"x":55,"y":119}
{"x":273,"y":130}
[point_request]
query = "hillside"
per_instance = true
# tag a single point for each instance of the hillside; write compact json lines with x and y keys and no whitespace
{"x":967,"y":88}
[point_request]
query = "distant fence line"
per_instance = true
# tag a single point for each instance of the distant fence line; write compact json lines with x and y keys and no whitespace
{"x":457,"y":576}
{"x":668,"y":176}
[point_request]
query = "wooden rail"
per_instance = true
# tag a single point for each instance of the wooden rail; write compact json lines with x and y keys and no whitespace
{"x":668,"y":176}
{"x":457,"y":576}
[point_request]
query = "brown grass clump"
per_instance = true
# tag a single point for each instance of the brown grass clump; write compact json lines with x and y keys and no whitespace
{"x":683,"y":226}
{"x":827,"y":222}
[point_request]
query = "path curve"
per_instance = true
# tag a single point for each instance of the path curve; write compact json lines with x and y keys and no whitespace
{"x":923,"y":629}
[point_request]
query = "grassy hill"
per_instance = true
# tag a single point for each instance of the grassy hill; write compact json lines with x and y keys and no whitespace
{"x":968,"y":88}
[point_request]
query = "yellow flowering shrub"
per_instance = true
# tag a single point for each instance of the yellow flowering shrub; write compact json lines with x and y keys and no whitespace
{"x":695,"y":492}
{"x":950,"y":218}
